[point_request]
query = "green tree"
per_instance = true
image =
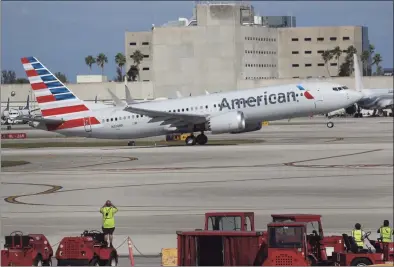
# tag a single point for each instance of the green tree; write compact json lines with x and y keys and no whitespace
{"x":137,"y":57}
{"x":119,"y":75}
{"x":90,"y":60}
{"x":101,"y":60}
{"x":346,"y":68}
{"x":21,"y":81}
{"x":371,"y":50}
{"x":8,"y":77}
{"x":62,"y":77}
{"x":132,"y":73}
{"x":376,"y":61}
{"x":327,"y":56}
{"x":364,"y":60}
{"x":120,"y":60}
{"x":336,"y":52}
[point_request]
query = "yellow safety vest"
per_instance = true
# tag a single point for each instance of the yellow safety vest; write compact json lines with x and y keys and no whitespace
{"x":385,"y":233}
{"x":358,"y":234}
{"x":108,"y":216}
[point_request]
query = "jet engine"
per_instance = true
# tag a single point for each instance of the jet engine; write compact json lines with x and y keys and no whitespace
{"x":232,"y":121}
{"x":250,"y":127}
{"x":351,"y":110}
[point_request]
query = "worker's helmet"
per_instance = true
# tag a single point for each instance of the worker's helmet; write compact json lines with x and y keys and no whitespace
{"x":108,"y":203}
{"x":357,"y":226}
{"x":386,"y":223}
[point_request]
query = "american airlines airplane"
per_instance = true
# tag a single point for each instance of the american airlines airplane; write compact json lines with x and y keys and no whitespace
{"x":373,"y":99}
{"x":230,"y":112}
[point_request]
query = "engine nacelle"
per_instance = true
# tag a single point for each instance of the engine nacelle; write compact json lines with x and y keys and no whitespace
{"x":232,"y":121}
{"x":250,"y":127}
{"x":351,"y":110}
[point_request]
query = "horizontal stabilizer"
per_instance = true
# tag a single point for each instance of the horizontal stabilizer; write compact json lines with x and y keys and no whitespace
{"x":40,"y":119}
{"x":116,"y":99}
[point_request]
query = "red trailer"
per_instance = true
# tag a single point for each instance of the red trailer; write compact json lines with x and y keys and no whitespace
{"x":26,"y":250}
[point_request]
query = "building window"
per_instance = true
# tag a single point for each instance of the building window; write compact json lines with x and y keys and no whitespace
{"x":133,"y":43}
{"x":308,"y":39}
{"x":295,"y":65}
{"x":146,"y":68}
{"x":345,"y":38}
{"x":320,"y":39}
{"x":320,"y":51}
{"x":294,"y":52}
{"x":333,"y":64}
{"x":294,"y":39}
{"x":308,"y":52}
{"x":146,"y":56}
{"x":308,"y":65}
{"x":145,"y":43}
{"x":333,"y":38}
{"x":321,"y":64}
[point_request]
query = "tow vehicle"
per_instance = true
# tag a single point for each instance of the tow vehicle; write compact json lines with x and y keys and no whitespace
{"x":377,"y":253}
{"x":26,"y":250}
{"x":88,"y":249}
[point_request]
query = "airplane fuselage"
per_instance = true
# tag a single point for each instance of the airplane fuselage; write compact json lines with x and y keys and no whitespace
{"x":376,"y":99}
{"x":257,"y":105}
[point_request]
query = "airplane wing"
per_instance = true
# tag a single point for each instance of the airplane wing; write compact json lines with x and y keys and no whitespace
{"x":40,"y":119}
{"x":162,"y":115}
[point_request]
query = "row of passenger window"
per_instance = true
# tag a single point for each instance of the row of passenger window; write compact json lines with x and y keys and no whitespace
{"x":260,"y":39}
{"x":261,"y":65}
{"x":260,"y":78}
{"x":260,"y":52}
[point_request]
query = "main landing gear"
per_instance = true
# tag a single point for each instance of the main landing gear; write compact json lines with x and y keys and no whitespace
{"x":201,"y":139}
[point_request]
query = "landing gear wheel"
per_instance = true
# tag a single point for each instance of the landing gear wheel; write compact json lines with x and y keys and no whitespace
{"x":201,"y":139}
{"x":8,"y":127}
{"x":330,"y":124}
{"x":131,"y":143}
{"x":190,"y":140}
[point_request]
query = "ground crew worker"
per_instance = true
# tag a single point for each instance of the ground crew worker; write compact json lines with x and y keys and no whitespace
{"x":358,"y":235}
{"x":386,"y":232}
{"x":108,"y":210}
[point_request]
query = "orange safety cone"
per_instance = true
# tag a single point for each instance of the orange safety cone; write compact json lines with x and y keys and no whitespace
{"x":131,"y":255}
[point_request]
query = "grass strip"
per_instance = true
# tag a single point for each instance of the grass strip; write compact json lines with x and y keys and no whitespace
{"x":12,"y":163}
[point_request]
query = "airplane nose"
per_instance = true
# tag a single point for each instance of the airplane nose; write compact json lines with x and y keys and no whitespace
{"x":354,"y":96}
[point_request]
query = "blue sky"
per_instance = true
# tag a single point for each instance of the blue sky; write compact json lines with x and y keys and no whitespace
{"x":61,"y":34}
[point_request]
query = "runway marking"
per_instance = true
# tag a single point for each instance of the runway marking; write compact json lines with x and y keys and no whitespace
{"x":55,"y":188}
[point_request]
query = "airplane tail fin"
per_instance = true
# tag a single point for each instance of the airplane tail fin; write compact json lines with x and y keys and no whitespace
{"x":54,"y":99}
{"x":357,"y":74}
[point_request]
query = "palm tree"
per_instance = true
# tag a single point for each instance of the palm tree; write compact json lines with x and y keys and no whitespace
{"x":120,"y":60}
{"x":327,"y":56}
{"x":90,"y":60}
{"x":364,"y":60}
{"x":376,"y":61}
{"x":349,"y":58}
{"x":137,"y":56}
{"x":336,"y":52}
{"x":101,"y":60}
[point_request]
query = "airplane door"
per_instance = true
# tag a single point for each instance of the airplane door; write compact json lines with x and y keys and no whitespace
{"x":87,"y":124}
{"x":318,"y":98}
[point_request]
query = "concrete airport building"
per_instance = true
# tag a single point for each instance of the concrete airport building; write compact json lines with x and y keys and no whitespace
{"x":223,"y":47}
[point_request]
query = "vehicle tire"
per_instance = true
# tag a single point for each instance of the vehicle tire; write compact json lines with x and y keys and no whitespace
{"x":38,"y":261}
{"x":47,"y":263}
{"x":361,"y":262}
{"x":113,"y":261}
{"x":94,"y":262}
{"x":330,"y":124}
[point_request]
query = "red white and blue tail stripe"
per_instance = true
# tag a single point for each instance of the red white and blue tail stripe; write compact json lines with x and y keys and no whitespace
{"x":54,"y":99}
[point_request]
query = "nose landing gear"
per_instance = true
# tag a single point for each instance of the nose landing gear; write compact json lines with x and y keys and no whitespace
{"x":330,"y":124}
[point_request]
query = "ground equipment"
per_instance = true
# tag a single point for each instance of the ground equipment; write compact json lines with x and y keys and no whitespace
{"x":26,"y":250}
{"x":377,"y":253}
{"x":88,"y":249}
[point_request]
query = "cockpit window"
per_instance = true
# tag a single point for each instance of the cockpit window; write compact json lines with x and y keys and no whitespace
{"x":335,"y":89}
{"x":345,"y":87}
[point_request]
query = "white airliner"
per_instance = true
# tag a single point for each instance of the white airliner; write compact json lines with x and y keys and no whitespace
{"x":11,"y":115}
{"x":230,"y":112}
{"x":373,"y":99}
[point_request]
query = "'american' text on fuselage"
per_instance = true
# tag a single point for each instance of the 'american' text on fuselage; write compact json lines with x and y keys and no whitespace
{"x":253,"y":101}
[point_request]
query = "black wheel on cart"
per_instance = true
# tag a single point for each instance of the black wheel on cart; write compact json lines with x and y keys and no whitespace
{"x":361,"y":262}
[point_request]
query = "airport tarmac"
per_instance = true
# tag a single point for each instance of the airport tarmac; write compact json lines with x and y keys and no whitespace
{"x":344,"y":173}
